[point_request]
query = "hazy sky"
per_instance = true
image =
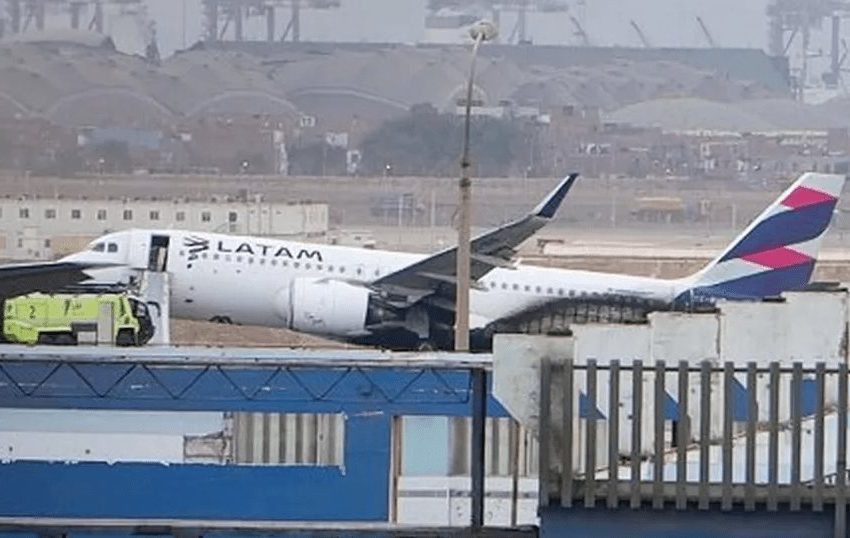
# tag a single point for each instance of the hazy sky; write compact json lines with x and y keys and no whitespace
{"x":665,"y":22}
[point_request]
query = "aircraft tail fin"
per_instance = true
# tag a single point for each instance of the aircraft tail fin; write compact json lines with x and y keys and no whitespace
{"x":778,"y":250}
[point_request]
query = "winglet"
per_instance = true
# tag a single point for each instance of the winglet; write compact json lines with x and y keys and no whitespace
{"x":549,"y":206}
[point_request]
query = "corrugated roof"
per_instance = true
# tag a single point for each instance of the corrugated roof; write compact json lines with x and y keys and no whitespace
{"x":74,"y":81}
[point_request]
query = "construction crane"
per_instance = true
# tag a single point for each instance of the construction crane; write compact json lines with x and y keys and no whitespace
{"x":25,"y":15}
{"x":640,"y":34}
{"x":706,"y":33}
{"x":495,"y":8}
{"x":221,"y":14}
{"x":580,"y":31}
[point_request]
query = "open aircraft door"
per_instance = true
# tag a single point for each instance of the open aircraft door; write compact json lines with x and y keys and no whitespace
{"x":149,"y":251}
{"x":158,"y":253}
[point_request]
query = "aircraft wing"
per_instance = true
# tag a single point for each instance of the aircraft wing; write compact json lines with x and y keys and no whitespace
{"x":19,"y":279}
{"x":489,"y":250}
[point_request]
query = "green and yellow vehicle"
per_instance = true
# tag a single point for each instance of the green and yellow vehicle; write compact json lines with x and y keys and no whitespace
{"x":57,"y":319}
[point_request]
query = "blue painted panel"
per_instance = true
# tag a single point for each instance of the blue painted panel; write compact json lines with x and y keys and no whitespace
{"x":281,"y":389}
{"x":585,"y":410}
{"x":806,"y":394}
{"x":648,"y":523}
{"x":671,"y":407}
{"x":740,"y":405}
{"x":358,"y":492}
{"x":369,"y":397}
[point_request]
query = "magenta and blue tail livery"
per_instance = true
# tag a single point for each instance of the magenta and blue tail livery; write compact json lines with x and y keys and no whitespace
{"x":778,"y":250}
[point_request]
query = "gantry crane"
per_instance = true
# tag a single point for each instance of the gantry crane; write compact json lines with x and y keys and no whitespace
{"x":789,"y":19}
{"x":26,"y":15}
{"x":221,"y":14}
{"x":519,"y":33}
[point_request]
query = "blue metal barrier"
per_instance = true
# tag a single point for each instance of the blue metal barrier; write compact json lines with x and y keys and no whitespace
{"x":369,"y":392}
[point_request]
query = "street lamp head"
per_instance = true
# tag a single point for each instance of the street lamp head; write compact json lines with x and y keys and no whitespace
{"x":484,"y":30}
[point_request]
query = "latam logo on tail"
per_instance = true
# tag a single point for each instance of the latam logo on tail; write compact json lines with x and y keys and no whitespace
{"x":777,"y":252}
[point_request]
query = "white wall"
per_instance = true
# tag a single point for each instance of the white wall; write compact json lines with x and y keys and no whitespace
{"x":27,"y":223}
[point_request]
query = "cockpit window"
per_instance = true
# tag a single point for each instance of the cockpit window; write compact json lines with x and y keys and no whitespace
{"x":112,"y":247}
{"x":98,"y":247}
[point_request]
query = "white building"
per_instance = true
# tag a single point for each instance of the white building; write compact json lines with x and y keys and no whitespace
{"x":45,"y":228}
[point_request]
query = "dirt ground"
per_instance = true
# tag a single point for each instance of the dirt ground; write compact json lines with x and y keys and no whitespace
{"x":204,"y":333}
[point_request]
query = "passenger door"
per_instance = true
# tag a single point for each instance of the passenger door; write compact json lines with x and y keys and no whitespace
{"x":158,"y":253}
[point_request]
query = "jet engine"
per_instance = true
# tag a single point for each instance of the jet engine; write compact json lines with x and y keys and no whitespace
{"x":331,"y":307}
{"x":328,"y":307}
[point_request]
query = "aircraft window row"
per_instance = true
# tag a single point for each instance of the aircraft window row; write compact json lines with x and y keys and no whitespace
{"x":537,"y":289}
{"x":262,"y":261}
{"x":330,"y":268}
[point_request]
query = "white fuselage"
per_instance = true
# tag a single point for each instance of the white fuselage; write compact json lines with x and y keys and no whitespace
{"x":243,"y":279}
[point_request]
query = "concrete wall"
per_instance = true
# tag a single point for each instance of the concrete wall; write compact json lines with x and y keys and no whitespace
{"x":807,"y":327}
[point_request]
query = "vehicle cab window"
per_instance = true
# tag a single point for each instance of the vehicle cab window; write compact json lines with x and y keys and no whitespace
{"x":99,"y":247}
{"x":112,"y":247}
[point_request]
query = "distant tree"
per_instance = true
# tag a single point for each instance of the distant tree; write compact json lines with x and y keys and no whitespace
{"x":68,"y":162}
{"x":113,"y":156}
{"x":428,"y":143}
{"x":316,"y":159}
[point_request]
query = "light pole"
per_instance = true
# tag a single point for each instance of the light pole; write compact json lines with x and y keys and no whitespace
{"x":480,"y":32}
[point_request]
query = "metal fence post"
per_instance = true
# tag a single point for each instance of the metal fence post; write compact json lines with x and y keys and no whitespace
{"x":658,"y":456}
{"x":543,"y":432}
{"x":479,"y":413}
{"x":841,"y":455}
{"x":637,"y":424}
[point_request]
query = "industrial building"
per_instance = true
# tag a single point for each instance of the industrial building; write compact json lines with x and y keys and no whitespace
{"x":44,"y":228}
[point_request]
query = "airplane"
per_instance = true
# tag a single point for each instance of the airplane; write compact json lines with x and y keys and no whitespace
{"x":406,"y":301}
